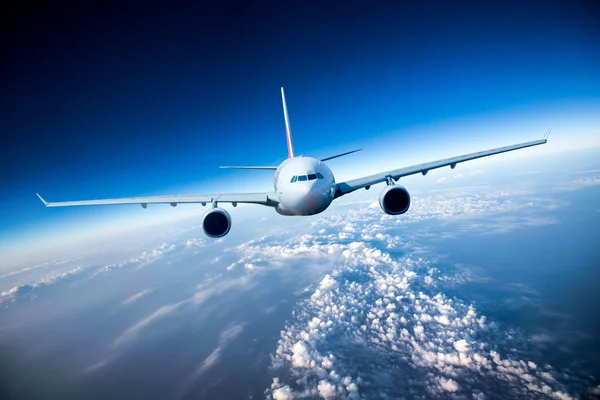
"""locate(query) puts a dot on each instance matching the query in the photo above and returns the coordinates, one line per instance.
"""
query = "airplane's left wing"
(265, 199)
(355, 184)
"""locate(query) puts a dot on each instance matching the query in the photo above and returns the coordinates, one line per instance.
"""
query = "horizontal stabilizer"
(248, 167)
(339, 155)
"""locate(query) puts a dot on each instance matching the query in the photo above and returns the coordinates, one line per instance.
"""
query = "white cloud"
(132, 332)
(205, 291)
(250, 266)
(379, 319)
(137, 296)
(376, 319)
(448, 385)
(99, 365)
(208, 362)
(212, 359)
(279, 392)
(87, 268)
(326, 389)
(581, 183)
(461, 346)
(83, 272)
(282, 393)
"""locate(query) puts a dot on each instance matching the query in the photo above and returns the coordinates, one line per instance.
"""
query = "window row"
(309, 177)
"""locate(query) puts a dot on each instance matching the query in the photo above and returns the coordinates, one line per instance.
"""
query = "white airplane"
(303, 186)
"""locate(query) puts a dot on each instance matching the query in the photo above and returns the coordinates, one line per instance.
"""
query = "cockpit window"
(304, 178)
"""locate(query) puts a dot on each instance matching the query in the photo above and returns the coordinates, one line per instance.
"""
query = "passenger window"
(302, 178)
(293, 179)
(312, 177)
(319, 175)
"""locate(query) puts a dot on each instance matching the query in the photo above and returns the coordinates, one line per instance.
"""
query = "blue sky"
(108, 102)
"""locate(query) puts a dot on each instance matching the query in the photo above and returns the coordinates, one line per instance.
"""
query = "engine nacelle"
(394, 200)
(216, 223)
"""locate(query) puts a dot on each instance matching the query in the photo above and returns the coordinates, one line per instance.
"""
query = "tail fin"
(288, 131)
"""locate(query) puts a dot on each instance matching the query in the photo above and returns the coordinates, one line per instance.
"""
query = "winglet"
(547, 133)
(42, 199)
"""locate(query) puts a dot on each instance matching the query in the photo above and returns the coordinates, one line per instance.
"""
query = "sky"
(116, 101)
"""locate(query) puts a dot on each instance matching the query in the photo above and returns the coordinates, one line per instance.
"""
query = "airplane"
(303, 186)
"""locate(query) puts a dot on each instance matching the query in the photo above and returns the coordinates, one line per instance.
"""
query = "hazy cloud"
(378, 325)
(212, 359)
(137, 296)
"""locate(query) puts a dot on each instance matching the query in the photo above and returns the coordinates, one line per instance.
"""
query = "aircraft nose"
(311, 198)
(309, 201)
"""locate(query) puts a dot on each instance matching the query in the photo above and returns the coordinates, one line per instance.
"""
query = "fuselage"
(304, 185)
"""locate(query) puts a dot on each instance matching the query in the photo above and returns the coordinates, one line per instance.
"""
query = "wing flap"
(355, 184)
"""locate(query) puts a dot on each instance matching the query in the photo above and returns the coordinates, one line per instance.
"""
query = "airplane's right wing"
(355, 184)
(266, 199)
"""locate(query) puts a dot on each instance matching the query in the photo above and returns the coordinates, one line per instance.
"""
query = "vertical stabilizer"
(288, 131)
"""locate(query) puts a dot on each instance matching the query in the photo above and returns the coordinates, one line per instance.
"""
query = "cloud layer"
(386, 322)
(381, 327)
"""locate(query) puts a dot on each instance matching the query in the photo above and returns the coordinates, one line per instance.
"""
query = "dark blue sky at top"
(106, 100)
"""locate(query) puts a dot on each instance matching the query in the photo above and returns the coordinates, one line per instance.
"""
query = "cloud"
(279, 392)
(208, 362)
(28, 291)
(83, 272)
(460, 175)
(204, 293)
(250, 267)
(195, 242)
(448, 385)
(137, 296)
(282, 393)
(133, 331)
(581, 183)
(381, 324)
(341, 227)
(101, 364)
(45, 265)
(326, 389)
(227, 336)
(461, 346)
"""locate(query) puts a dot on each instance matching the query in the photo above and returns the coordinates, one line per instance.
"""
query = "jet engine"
(216, 223)
(394, 200)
